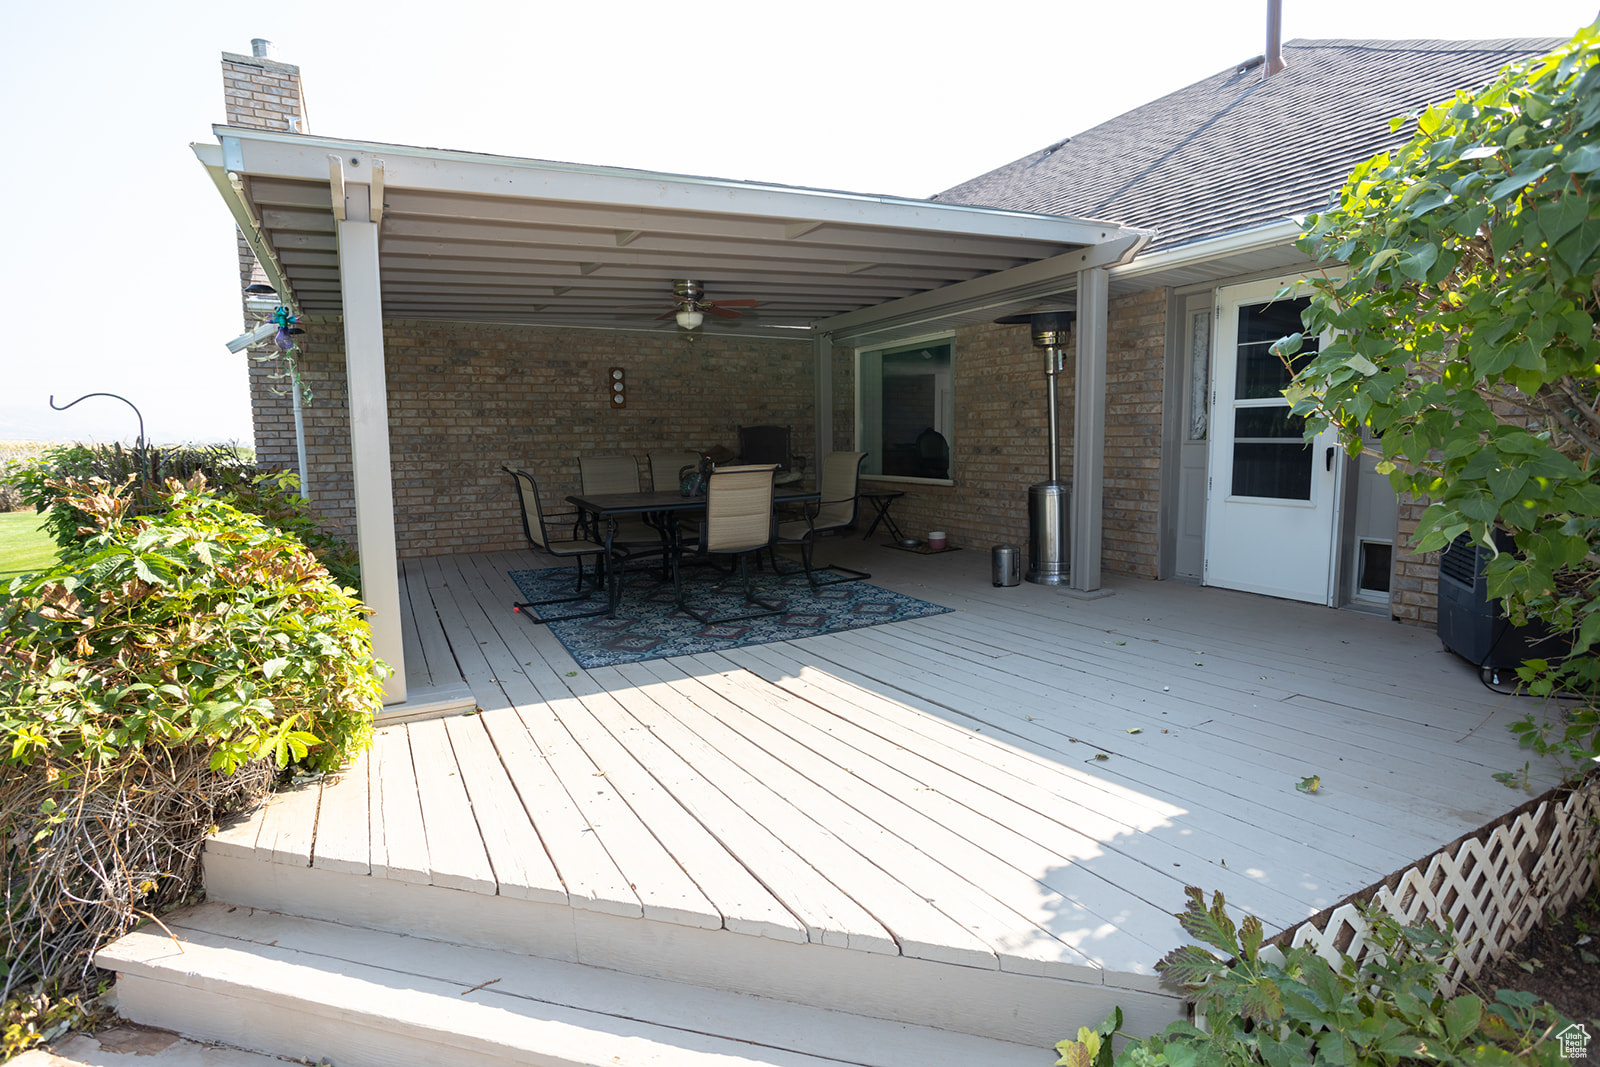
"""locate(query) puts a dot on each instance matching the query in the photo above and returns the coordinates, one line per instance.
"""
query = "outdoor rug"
(648, 627)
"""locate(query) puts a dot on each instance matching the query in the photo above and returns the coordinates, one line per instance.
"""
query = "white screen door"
(1272, 500)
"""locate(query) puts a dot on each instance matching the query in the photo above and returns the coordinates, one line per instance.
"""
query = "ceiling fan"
(689, 305)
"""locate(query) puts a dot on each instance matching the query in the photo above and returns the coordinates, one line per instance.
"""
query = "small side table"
(880, 503)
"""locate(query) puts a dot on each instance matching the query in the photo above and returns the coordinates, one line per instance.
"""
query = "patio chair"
(738, 523)
(535, 526)
(839, 496)
(933, 454)
(771, 444)
(666, 468)
(601, 475)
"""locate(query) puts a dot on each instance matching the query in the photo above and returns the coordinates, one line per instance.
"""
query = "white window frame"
(944, 403)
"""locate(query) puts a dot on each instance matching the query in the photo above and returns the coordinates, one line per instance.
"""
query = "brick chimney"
(262, 93)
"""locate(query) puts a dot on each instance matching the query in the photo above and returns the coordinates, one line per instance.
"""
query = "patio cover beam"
(980, 299)
(369, 433)
(268, 154)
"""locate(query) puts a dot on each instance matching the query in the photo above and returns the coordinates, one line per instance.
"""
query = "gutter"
(1254, 239)
(231, 187)
(304, 157)
(983, 298)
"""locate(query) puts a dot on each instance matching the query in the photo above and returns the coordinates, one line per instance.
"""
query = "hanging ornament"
(284, 338)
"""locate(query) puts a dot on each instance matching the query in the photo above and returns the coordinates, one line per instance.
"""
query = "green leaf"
(1262, 1001)
(1211, 926)
(1585, 160)
(1190, 966)
(1294, 1050)
(1506, 483)
(1577, 248)
(272, 667)
(1180, 1054)
(1519, 180)
(1251, 935)
(1080, 1053)
(1416, 264)
(1462, 1015)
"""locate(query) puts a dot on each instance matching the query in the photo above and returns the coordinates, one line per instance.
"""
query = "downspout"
(263, 251)
(300, 433)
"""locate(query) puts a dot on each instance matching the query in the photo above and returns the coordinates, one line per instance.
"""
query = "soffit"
(487, 238)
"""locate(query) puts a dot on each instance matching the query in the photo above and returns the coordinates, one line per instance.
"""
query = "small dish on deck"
(910, 542)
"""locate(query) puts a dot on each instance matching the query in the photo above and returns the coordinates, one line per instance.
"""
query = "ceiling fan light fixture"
(689, 318)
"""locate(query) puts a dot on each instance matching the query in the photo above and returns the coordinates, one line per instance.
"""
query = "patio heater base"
(1048, 506)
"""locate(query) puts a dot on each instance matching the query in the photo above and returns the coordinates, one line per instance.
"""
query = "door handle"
(1328, 459)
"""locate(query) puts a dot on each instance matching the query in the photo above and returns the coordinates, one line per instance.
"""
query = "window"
(1271, 457)
(905, 404)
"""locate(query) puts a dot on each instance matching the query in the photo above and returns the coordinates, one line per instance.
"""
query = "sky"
(118, 256)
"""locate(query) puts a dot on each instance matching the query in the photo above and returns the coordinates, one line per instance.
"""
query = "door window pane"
(1199, 374)
(1282, 470)
(1274, 421)
(1261, 373)
(1270, 456)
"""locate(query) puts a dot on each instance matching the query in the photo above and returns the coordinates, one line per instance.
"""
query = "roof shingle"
(1236, 150)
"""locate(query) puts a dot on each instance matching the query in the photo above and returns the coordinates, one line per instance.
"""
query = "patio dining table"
(661, 509)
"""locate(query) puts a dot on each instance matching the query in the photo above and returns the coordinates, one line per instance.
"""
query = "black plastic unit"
(1472, 625)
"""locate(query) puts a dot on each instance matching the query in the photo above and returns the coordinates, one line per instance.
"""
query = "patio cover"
(371, 231)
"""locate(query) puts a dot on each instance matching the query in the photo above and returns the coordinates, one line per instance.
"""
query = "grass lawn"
(24, 547)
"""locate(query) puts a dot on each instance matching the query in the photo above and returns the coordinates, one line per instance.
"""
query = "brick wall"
(1000, 445)
(465, 399)
(1136, 345)
(1414, 585)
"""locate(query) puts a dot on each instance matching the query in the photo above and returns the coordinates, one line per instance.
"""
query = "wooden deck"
(1021, 787)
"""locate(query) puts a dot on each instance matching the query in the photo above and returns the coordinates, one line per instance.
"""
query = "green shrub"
(198, 625)
(1262, 1006)
(274, 496)
(1463, 346)
(153, 681)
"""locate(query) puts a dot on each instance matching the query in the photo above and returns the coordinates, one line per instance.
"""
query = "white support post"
(369, 433)
(822, 398)
(1089, 431)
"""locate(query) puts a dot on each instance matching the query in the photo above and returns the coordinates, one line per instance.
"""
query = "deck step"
(315, 989)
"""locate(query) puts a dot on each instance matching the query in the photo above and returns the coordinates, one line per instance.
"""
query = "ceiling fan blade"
(665, 315)
(721, 313)
(657, 304)
(740, 303)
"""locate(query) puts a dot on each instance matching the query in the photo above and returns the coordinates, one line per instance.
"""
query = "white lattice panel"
(1492, 889)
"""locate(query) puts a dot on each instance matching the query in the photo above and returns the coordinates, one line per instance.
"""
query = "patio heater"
(1049, 501)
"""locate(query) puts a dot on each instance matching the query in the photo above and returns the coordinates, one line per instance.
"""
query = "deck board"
(928, 788)
(343, 843)
(522, 868)
(457, 855)
(681, 761)
(1374, 764)
(919, 929)
(1022, 707)
(965, 843)
(402, 852)
(1055, 831)
(289, 824)
(664, 889)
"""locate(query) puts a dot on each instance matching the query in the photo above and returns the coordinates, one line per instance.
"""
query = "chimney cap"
(261, 48)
